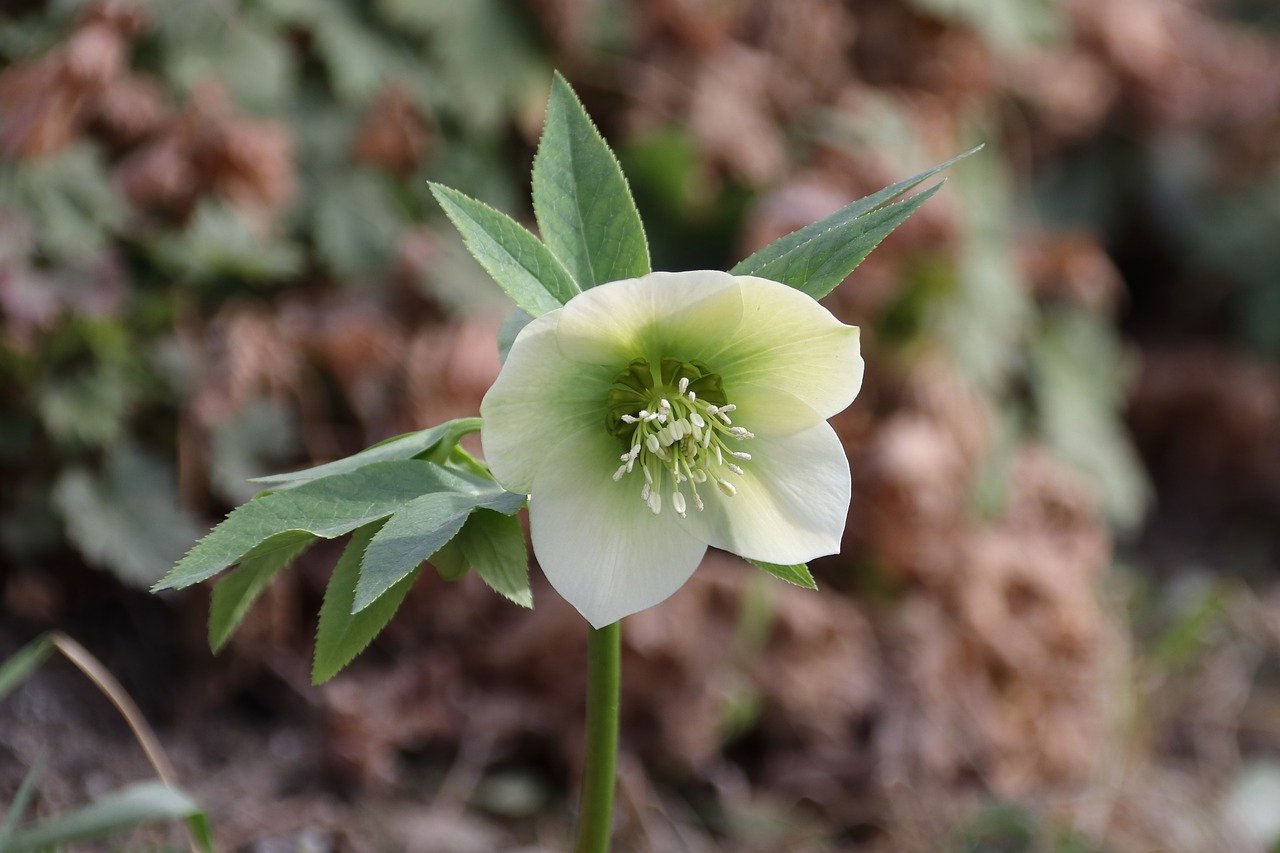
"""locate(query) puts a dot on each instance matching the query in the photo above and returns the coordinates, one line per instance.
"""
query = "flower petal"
(660, 315)
(539, 398)
(787, 348)
(791, 502)
(597, 542)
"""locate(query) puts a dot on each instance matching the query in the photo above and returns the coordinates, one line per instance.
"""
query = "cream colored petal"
(788, 348)
(597, 542)
(661, 315)
(791, 502)
(539, 398)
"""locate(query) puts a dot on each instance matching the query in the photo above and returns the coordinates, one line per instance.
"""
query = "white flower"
(652, 417)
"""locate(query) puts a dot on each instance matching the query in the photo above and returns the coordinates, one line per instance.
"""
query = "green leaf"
(235, 594)
(340, 634)
(407, 446)
(449, 561)
(418, 530)
(797, 574)
(327, 508)
(584, 208)
(22, 799)
(493, 545)
(534, 279)
(24, 662)
(818, 257)
(356, 222)
(127, 518)
(511, 327)
(137, 805)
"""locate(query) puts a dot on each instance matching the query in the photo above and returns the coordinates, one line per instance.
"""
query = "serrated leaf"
(418, 530)
(818, 257)
(137, 805)
(340, 634)
(521, 265)
(235, 594)
(407, 446)
(328, 508)
(493, 545)
(511, 327)
(581, 199)
(797, 574)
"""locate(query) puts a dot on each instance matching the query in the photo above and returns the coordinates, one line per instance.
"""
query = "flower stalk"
(599, 771)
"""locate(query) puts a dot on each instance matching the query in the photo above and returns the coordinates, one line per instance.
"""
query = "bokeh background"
(1055, 623)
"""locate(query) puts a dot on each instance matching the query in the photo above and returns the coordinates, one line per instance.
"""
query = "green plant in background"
(283, 97)
(421, 497)
(150, 803)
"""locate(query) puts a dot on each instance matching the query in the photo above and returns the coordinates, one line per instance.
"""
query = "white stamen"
(628, 419)
(643, 413)
(617, 475)
(655, 502)
(697, 500)
(727, 487)
(696, 420)
(684, 384)
(693, 398)
(724, 417)
(719, 456)
(734, 468)
(677, 501)
(739, 432)
(645, 491)
(706, 437)
(665, 405)
(652, 443)
(729, 408)
(738, 454)
(664, 436)
(711, 410)
(699, 476)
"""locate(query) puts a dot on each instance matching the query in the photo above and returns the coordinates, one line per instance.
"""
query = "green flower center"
(676, 427)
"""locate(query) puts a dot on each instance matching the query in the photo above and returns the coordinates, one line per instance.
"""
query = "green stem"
(599, 777)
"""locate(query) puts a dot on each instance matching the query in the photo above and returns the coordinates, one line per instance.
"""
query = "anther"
(655, 502)
(739, 432)
(684, 384)
(628, 419)
(652, 443)
(617, 475)
(696, 420)
(727, 487)
(677, 501)
(734, 468)
(738, 454)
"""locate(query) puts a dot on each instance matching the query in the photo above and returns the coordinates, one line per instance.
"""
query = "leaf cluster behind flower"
(420, 497)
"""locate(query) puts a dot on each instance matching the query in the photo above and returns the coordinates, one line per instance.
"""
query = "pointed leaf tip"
(581, 199)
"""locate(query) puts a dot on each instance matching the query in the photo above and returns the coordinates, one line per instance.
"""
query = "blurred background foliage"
(219, 258)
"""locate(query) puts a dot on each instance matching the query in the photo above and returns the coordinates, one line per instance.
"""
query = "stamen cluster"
(678, 438)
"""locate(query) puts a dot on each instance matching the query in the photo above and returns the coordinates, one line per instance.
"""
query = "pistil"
(676, 438)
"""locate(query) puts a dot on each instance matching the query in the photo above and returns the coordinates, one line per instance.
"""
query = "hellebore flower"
(651, 417)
